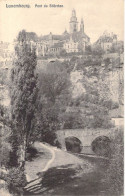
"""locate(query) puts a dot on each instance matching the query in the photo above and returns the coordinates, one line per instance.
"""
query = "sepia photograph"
(61, 97)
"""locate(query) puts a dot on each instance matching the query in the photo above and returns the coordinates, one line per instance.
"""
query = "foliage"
(3, 77)
(68, 115)
(97, 50)
(5, 150)
(109, 104)
(115, 172)
(5, 130)
(26, 36)
(13, 154)
(53, 85)
(54, 96)
(63, 53)
(73, 120)
(88, 50)
(23, 92)
(91, 61)
(89, 110)
(49, 137)
(16, 180)
(94, 110)
(68, 66)
(31, 153)
(107, 61)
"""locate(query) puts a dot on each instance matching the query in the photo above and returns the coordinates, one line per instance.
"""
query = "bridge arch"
(73, 144)
(101, 145)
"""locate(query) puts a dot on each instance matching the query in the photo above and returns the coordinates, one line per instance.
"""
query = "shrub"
(16, 180)
(114, 174)
(49, 137)
(110, 104)
(31, 153)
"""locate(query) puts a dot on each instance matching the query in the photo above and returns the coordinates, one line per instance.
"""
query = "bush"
(110, 104)
(49, 137)
(16, 180)
(31, 153)
(115, 172)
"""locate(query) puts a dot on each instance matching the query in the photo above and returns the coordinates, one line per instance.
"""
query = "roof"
(106, 38)
(77, 36)
(57, 45)
(62, 37)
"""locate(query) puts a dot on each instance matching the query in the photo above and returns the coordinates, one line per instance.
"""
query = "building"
(106, 41)
(71, 46)
(72, 42)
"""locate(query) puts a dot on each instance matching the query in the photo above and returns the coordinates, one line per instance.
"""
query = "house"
(106, 41)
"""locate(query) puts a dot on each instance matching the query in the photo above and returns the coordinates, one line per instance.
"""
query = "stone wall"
(86, 136)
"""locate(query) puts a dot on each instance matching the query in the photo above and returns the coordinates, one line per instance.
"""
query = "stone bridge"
(85, 136)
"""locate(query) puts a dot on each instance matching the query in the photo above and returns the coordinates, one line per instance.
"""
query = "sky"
(98, 16)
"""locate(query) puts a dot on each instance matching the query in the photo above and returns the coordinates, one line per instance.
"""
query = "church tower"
(82, 26)
(73, 22)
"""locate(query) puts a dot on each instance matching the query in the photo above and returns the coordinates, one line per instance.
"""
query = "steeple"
(73, 22)
(73, 13)
(82, 26)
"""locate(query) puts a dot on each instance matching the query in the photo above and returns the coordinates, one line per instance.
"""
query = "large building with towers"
(71, 42)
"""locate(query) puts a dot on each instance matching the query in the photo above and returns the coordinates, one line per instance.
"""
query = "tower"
(82, 26)
(50, 39)
(73, 22)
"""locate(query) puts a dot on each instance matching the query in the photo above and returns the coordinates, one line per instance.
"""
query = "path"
(57, 157)
(41, 163)
(52, 158)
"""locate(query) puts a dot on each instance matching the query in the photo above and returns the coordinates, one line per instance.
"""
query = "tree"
(26, 36)
(16, 181)
(23, 93)
(63, 53)
(5, 131)
(55, 96)
(97, 50)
